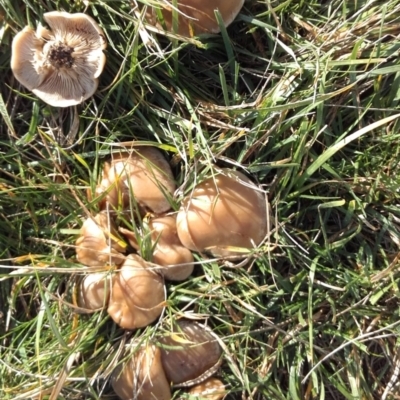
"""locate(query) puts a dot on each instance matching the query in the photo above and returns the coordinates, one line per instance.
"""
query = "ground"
(302, 97)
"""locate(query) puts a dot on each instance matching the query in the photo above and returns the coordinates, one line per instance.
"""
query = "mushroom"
(210, 389)
(195, 16)
(145, 173)
(137, 294)
(225, 215)
(99, 244)
(190, 354)
(168, 250)
(62, 65)
(142, 377)
(93, 291)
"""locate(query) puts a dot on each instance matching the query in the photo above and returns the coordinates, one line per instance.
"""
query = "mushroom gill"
(61, 65)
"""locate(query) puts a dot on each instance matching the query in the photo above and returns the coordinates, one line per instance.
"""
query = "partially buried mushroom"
(142, 173)
(137, 294)
(194, 16)
(142, 376)
(168, 252)
(61, 65)
(225, 215)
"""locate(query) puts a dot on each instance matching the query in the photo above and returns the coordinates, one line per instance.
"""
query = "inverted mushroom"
(168, 250)
(137, 294)
(142, 377)
(224, 215)
(195, 16)
(61, 65)
(143, 173)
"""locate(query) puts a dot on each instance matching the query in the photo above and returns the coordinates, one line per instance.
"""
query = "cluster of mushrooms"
(224, 215)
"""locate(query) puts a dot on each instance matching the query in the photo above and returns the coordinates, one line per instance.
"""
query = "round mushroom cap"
(94, 291)
(93, 245)
(175, 260)
(142, 377)
(61, 65)
(190, 354)
(210, 389)
(145, 174)
(223, 215)
(196, 16)
(137, 294)
(169, 251)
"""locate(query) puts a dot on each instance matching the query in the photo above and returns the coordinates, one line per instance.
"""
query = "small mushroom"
(190, 354)
(168, 250)
(137, 294)
(144, 173)
(210, 389)
(142, 377)
(93, 246)
(225, 215)
(195, 16)
(93, 291)
(62, 65)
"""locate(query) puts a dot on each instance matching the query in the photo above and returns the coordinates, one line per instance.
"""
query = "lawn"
(300, 96)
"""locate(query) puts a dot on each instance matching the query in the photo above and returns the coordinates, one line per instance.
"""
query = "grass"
(303, 97)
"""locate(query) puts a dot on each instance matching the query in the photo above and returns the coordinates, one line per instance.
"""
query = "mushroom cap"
(190, 355)
(94, 291)
(168, 250)
(73, 37)
(210, 389)
(223, 213)
(142, 377)
(137, 294)
(93, 246)
(145, 173)
(197, 16)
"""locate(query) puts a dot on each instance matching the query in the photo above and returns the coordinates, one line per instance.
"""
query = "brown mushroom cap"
(145, 173)
(142, 377)
(137, 294)
(168, 250)
(62, 65)
(196, 16)
(94, 291)
(190, 354)
(223, 213)
(210, 389)
(93, 246)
